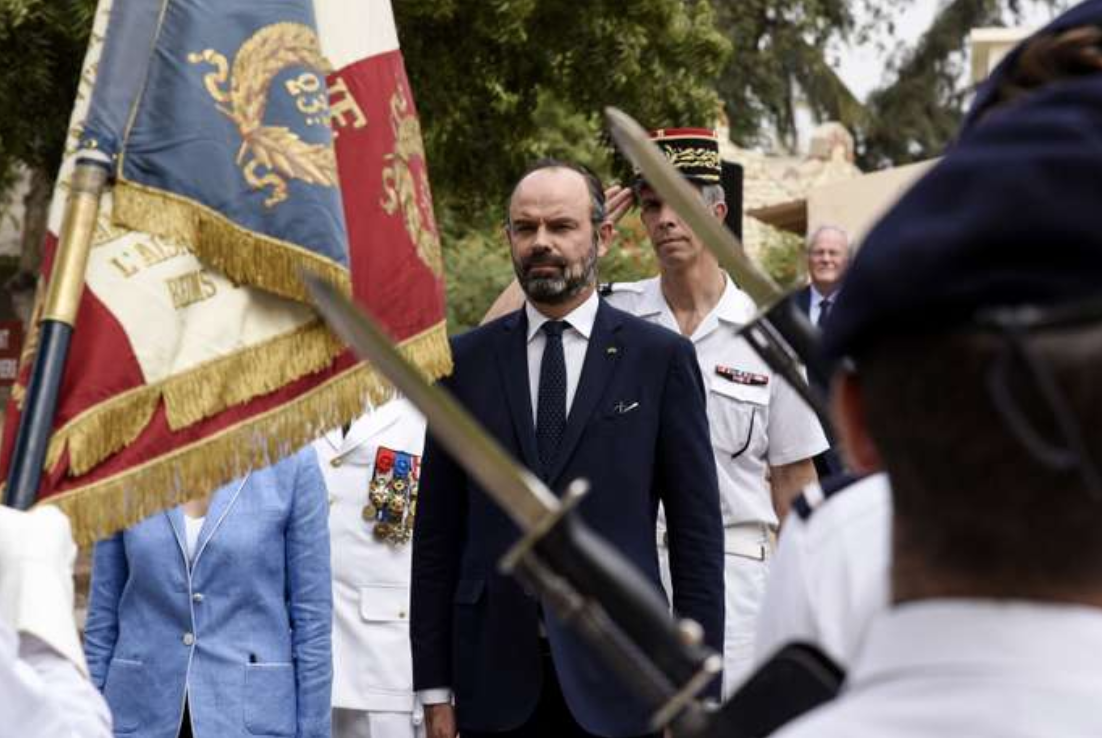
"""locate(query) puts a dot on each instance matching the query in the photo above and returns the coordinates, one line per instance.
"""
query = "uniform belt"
(752, 540)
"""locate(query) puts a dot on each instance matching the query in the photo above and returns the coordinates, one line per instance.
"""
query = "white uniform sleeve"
(43, 679)
(794, 431)
(45, 694)
(786, 613)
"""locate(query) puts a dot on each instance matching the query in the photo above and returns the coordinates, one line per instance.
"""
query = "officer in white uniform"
(372, 473)
(763, 435)
(972, 319)
(830, 575)
(44, 687)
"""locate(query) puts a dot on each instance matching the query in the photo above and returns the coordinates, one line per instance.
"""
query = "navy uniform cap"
(1087, 13)
(1011, 216)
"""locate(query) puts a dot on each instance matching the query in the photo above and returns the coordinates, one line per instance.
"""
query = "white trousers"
(744, 578)
(364, 724)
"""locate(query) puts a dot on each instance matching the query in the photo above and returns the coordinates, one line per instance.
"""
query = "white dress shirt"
(575, 340)
(976, 668)
(830, 575)
(192, 528)
(816, 306)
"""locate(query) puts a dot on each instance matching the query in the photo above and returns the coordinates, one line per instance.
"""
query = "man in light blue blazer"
(234, 623)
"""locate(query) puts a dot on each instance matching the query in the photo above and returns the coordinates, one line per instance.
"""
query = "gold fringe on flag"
(103, 429)
(193, 395)
(244, 256)
(104, 507)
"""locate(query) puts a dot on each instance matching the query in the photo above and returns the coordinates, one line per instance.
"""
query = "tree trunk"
(35, 215)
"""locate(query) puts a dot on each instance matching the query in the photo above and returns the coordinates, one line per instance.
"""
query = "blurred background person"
(44, 682)
(372, 471)
(828, 257)
(213, 619)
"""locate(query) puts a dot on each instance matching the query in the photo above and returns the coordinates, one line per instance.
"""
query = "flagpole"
(55, 331)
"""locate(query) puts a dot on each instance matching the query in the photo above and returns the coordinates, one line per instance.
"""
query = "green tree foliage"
(777, 46)
(480, 71)
(783, 48)
(42, 45)
(914, 116)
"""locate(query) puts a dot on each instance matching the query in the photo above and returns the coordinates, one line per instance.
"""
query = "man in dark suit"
(573, 388)
(828, 255)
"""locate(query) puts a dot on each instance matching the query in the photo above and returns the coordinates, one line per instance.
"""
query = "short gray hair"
(713, 194)
(824, 229)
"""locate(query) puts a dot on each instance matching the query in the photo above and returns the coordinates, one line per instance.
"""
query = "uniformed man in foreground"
(973, 320)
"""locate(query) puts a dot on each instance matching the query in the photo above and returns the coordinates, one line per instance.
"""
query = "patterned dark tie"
(824, 311)
(551, 405)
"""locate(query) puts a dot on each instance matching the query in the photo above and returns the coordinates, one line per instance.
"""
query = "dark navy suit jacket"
(828, 463)
(476, 631)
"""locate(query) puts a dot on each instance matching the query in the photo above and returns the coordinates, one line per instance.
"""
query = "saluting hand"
(618, 200)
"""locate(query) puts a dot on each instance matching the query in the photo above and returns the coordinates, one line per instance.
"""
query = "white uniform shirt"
(372, 667)
(982, 669)
(830, 575)
(575, 341)
(45, 695)
(757, 420)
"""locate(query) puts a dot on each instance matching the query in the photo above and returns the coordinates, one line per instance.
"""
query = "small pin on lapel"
(612, 350)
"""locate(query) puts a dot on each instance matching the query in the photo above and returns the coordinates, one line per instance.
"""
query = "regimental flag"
(249, 140)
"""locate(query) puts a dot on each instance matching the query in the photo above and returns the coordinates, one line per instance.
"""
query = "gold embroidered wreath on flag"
(268, 157)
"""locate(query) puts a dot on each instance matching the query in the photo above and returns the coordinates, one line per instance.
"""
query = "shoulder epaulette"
(812, 498)
(608, 288)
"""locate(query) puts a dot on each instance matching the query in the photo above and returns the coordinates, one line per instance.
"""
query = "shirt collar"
(580, 318)
(817, 297)
(652, 301)
(942, 635)
(735, 306)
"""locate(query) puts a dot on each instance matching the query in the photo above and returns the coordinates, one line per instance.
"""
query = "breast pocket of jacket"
(124, 689)
(384, 610)
(737, 414)
(270, 700)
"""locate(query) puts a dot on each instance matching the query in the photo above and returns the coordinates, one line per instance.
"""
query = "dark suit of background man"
(613, 399)
(828, 255)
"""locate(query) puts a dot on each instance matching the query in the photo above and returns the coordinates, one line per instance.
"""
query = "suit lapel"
(176, 522)
(512, 360)
(804, 296)
(601, 357)
(220, 507)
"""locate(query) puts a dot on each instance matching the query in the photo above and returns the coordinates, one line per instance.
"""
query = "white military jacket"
(372, 669)
(757, 420)
(975, 668)
(830, 575)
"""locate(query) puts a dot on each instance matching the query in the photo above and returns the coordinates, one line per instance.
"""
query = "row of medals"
(392, 504)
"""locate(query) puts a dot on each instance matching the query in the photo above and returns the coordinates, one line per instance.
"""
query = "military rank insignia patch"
(740, 377)
(392, 495)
